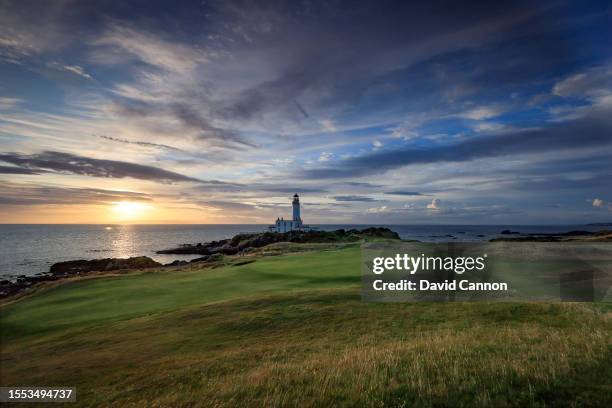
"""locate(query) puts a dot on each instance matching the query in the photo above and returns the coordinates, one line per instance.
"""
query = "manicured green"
(89, 303)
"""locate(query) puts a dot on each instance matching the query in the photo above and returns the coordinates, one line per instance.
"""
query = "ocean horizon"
(29, 249)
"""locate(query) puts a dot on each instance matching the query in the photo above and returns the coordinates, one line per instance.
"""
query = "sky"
(438, 112)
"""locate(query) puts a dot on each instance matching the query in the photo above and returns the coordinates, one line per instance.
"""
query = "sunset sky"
(431, 112)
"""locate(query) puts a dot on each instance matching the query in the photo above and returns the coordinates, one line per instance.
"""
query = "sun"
(130, 209)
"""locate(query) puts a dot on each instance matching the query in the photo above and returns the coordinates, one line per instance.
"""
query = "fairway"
(291, 330)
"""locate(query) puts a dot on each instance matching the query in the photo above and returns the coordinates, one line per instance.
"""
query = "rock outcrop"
(243, 242)
(80, 266)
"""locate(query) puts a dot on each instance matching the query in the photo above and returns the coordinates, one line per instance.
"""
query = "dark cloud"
(140, 143)
(588, 132)
(18, 170)
(360, 184)
(306, 47)
(86, 166)
(260, 188)
(189, 114)
(284, 189)
(558, 183)
(302, 110)
(404, 193)
(226, 205)
(191, 117)
(19, 194)
(354, 198)
(238, 206)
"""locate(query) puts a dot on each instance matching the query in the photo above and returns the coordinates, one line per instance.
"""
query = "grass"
(291, 330)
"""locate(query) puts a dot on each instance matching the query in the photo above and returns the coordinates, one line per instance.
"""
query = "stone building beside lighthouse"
(282, 225)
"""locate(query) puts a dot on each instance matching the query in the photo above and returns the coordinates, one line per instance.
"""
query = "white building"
(295, 224)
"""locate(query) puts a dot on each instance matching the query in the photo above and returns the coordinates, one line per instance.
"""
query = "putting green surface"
(89, 303)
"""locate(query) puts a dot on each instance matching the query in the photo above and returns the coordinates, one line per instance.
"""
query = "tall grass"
(326, 347)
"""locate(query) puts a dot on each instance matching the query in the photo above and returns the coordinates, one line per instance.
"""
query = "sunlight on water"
(123, 242)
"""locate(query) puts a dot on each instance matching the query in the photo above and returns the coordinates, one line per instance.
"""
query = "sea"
(31, 249)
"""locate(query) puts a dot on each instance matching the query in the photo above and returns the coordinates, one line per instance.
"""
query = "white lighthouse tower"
(282, 225)
(296, 209)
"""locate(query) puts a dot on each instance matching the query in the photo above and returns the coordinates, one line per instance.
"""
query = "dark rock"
(508, 232)
(8, 288)
(108, 264)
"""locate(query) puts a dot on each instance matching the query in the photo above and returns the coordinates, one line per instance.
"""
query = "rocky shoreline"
(210, 251)
(573, 236)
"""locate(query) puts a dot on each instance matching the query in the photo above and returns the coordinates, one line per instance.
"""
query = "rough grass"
(292, 331)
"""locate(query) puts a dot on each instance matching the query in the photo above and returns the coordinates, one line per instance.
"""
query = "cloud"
(75, 69)
(328, 125)
(226, 205)
(149, 48)
(289, 189)
(190, 120)
(23, 194)
(379, 210)
(18, 170)
(26, 31)
(257, 188)
(86, 166)
(487, 127)
(599, 203)
(141, 143)
(354, 198)
(8, 103)
(434, 205)
(360, 184)
(376, 145)
(72, 69)
(587, 132)
(480, 113)
(404, 193)
(324, 157)
(302, 110)
(590, 83)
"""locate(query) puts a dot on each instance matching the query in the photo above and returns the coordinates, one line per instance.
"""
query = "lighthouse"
(281, 225)
(296, 209)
